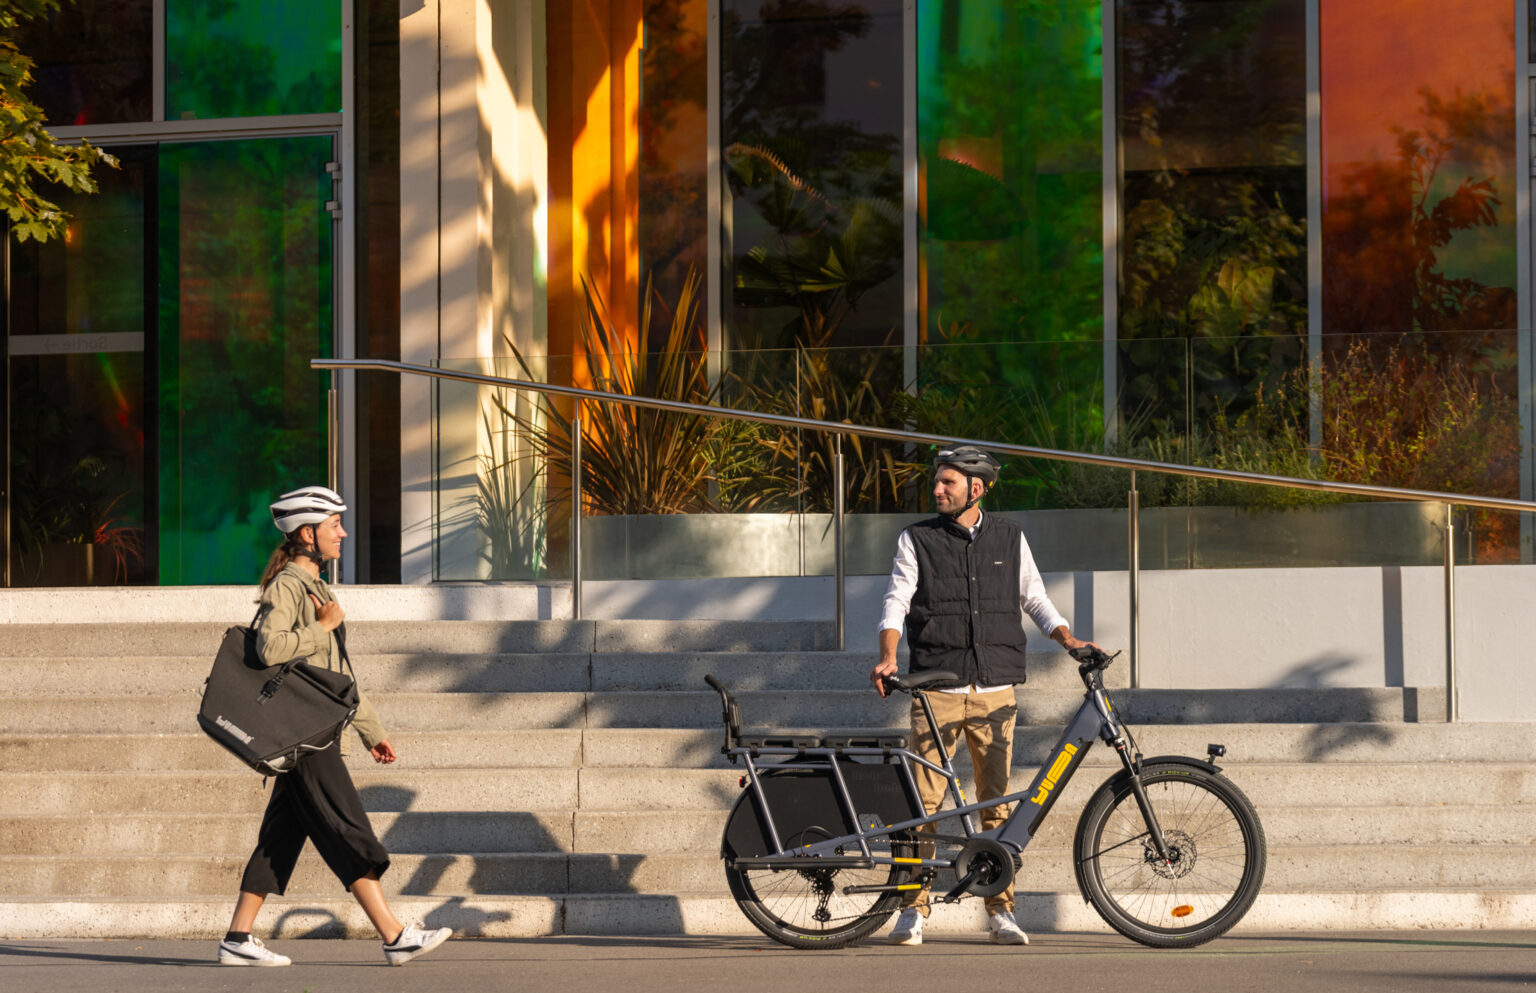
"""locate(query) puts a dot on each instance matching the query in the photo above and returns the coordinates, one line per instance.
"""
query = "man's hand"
(1063, 637)
(886, 667)
(330, 615)
(383, 752)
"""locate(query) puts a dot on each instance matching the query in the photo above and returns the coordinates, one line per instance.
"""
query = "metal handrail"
(838, 428)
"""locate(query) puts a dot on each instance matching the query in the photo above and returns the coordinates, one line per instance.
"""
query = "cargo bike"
(823, 840)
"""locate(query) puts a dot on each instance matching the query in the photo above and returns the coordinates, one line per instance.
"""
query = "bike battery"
(804, 801)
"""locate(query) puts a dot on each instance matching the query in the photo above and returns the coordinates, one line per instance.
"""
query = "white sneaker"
(414, 941)
(909, 928)
(1005, 930)
(249, 952)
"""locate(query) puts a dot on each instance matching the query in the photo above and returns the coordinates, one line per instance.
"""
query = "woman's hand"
(330, 615)
(383, 752)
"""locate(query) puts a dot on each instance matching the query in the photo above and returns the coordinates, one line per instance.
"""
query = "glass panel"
(251, 58)
(78, 470)
(1419, 175)
(1009, 110)
(245, 303)
(673, 156)
(93, 62)
(77, 419)
(377, 547)
(1212, 124)
(811, 123)
(91, 281)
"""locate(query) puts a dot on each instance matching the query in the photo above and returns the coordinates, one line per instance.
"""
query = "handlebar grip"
(714, 683)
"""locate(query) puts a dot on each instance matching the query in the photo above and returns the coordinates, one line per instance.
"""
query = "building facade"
(1191, 230)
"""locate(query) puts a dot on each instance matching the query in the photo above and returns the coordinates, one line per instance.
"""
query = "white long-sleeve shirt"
(1033, 600)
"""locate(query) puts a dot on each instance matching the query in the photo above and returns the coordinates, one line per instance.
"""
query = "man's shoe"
(249, 952)
(1005, 930)
(414, 941)
(909, 928)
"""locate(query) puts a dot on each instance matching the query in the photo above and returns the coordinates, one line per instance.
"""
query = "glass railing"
(687, 496)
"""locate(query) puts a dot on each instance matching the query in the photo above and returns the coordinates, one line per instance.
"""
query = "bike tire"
(1201, 894)
(788, 904)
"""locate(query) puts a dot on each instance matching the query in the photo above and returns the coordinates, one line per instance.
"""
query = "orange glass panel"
(1418, 165)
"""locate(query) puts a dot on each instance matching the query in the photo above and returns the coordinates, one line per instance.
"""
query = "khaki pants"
(986, 720)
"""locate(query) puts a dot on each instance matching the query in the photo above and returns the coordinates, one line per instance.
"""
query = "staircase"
(565, 777)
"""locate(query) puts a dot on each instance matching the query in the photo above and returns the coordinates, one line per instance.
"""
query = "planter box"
(705, 545)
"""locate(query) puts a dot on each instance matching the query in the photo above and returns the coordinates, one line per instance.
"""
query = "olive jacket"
(287, 629)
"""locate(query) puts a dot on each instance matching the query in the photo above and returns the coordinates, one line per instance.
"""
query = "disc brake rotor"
(1182, 855)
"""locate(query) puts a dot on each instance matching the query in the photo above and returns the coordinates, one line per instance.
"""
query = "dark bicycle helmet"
(970, 460)
(974, 464)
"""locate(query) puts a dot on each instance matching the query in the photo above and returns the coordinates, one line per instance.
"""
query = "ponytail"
(281, 556)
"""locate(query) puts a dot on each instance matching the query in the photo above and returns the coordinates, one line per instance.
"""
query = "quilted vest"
(965, 615)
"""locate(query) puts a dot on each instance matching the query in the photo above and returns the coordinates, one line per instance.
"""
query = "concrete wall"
(1237, 628)
(473, 236)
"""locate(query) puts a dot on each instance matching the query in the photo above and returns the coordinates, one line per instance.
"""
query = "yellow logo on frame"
(1057, 768)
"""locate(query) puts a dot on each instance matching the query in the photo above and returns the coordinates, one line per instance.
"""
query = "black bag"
(269, 717)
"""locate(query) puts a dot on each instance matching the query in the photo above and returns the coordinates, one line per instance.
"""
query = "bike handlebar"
(1091, 659)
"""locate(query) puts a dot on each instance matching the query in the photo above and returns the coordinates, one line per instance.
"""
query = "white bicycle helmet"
(308, 505)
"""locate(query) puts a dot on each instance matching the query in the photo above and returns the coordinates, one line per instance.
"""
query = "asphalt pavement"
(1294, 962)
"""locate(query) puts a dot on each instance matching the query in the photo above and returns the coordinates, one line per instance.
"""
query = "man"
(958, 584)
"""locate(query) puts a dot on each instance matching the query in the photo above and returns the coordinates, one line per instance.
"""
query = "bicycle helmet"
(308, 505)
(971, 462)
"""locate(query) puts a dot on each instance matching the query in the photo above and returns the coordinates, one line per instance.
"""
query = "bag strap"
(341, 640)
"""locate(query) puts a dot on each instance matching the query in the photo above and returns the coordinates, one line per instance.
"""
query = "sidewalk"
(1294, 962)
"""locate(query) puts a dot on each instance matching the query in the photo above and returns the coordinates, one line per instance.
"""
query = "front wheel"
(1215, 862)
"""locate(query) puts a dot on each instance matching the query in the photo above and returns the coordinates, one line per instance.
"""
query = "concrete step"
(441, 672)
(83, 793)
(147, 834)
(773, 709)
(605, 831)
(1266, 784)
(638, 789)
(201, 638)
(629, 914)
(1294, 870)
(700, 748)
(549, 748)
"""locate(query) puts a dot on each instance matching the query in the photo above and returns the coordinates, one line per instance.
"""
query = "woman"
(315, 800)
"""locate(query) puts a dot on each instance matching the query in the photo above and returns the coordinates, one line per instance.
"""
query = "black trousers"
(315, 801)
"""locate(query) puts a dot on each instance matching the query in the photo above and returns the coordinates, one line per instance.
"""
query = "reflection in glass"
(77, 465)
(91, 281)
(1419, 188)
(1418, 166)
(92, 62)
(811, 139)
(251, 58)
(1009, 99)
(1212, 124)
(245, 303)
(672, 207)
(77, 418)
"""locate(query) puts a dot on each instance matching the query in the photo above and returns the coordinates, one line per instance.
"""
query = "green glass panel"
(245, 303)
(1009, 96)
(251, 58)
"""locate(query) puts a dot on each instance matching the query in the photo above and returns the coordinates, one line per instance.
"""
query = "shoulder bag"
(270, 717)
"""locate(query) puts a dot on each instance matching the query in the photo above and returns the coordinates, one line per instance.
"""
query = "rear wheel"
(807, 908)
(1215, 863)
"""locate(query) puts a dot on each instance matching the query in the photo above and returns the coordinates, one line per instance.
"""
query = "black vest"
(965, 614)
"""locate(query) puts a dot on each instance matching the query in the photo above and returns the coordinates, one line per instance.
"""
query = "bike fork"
(1153, 827)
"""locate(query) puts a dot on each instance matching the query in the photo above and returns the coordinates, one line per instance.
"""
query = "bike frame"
(1095, 719)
